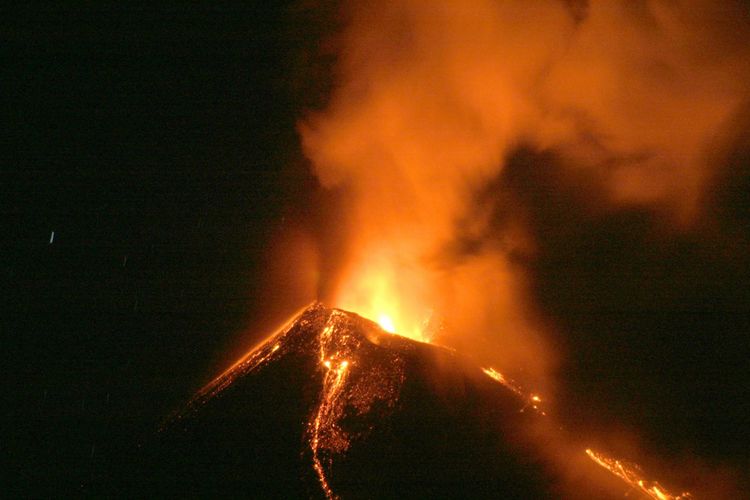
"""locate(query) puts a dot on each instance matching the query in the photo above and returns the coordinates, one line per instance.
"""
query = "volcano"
(334, 406)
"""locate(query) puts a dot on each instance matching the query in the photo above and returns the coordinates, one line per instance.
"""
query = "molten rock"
(332, 405)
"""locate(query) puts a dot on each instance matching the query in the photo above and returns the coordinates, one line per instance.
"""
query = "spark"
(51, 237)
(633, 476)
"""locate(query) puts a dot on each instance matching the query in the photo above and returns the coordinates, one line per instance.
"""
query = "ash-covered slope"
(334, 406)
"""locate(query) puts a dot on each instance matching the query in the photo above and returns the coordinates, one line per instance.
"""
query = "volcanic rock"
(334, 406)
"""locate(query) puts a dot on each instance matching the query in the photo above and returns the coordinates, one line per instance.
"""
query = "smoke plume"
(431, 98)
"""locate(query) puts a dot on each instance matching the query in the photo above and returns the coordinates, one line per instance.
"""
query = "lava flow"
(633, 477)
(378, 411)
(533, 400)
(325, 420)
(325, 434)
(376, 414)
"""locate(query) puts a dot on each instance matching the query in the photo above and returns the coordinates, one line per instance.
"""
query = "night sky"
(149, 161)
(158, 144)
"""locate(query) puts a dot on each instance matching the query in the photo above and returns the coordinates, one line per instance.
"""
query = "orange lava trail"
(323, 430)
(334, 381)
(499, 377)
(532, 400)
(631, 475)
(253, 357)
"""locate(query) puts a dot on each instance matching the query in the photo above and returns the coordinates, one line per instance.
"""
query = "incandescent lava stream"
(333, 406)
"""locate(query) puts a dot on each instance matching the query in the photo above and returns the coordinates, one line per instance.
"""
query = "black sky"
(652, 319)
(159, 144)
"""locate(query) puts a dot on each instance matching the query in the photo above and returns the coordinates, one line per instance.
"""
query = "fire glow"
(351, 387)
(633, 477)
(532, 400)
(325, 418)
(431, 101)
(376, 291)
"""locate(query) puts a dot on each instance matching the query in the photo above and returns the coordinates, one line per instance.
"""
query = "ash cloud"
(541, 173)
(431, 98)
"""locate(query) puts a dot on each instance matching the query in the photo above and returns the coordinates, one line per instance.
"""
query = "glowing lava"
(386, 323)
(532, 400)
(346, 392)
(392, 294)
(633, 476)
(358, 373)
(325, 419)
(499, 377)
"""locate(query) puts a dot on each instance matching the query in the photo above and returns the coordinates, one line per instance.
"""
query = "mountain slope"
(331, 406)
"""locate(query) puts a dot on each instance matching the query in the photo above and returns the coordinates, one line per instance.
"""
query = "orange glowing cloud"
(430, 99)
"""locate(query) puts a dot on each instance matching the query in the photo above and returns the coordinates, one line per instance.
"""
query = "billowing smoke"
(478, 145)
(431, 98)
